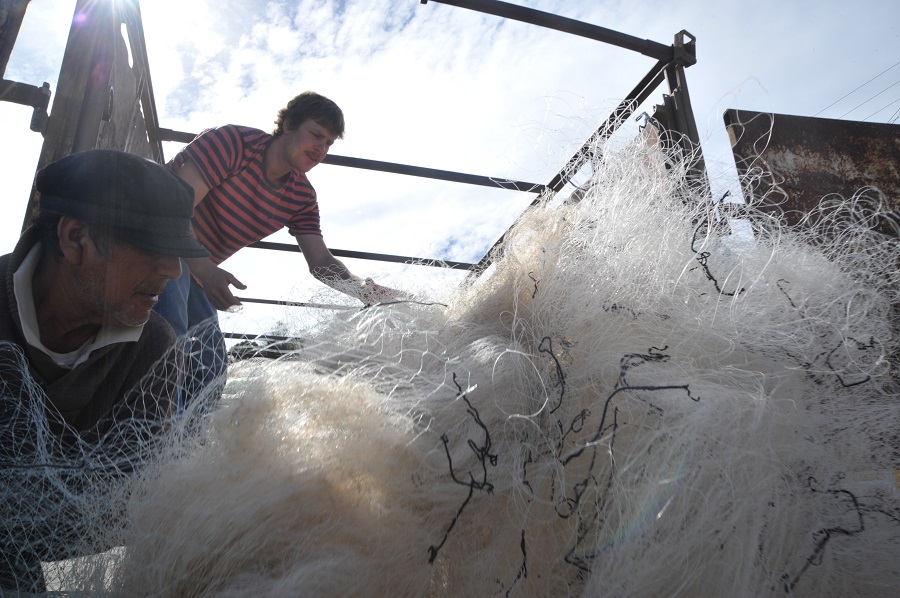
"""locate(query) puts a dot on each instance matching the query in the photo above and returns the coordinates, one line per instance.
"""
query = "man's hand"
(373, 293)
(215, 282)
(332, 271)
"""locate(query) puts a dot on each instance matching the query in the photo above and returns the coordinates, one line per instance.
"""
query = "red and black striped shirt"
(242, 207)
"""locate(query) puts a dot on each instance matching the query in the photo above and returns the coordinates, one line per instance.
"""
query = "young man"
(77, 341)
(248, 184)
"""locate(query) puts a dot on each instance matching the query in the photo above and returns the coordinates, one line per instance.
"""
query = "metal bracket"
(685, 54)
(28, 95)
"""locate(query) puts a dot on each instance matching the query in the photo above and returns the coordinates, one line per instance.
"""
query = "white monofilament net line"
(629, 402)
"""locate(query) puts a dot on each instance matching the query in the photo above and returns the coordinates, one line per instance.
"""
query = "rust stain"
(810, 158)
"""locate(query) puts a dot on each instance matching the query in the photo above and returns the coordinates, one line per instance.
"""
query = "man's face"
(307, 145)
(122, 287)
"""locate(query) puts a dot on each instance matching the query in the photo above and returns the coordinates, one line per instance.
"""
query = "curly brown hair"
(310, 104)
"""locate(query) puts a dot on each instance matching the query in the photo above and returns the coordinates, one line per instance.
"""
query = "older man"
(76, 322)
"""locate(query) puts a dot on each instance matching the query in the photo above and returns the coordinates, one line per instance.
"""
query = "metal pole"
(131, 16)
(12, 12)
(687, 125)
(545, 19)
(361, 255)
(433, 173)
(624, 110)
(395, 168)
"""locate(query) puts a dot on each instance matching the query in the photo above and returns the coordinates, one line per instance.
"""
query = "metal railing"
(84, 104)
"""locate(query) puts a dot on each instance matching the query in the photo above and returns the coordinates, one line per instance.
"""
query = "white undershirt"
(107, 335)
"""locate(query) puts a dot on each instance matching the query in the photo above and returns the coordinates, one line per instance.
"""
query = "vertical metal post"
(82, 88)
(12, 12)
(134, 25)
(678, 105)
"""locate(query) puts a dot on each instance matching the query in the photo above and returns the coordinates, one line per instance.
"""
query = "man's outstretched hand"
(373, 293)
(216, 282)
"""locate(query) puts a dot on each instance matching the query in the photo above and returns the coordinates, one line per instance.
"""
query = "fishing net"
(630, 401)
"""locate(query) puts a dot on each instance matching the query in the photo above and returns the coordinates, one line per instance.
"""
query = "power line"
(857, 89)
(882, 108)
(870, 99)
(894, 117)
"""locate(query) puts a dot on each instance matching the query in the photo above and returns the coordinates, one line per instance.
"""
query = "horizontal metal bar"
(393, 167)
(253, 337)
(433, 173)
(25, 94)
(28, 95)
(566, 25)
(171, 135)
(297, 303)
(381, 257)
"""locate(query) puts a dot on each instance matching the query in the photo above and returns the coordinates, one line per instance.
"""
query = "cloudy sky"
(443, 87)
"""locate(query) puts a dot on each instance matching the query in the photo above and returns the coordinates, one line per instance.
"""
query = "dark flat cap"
(136, 199)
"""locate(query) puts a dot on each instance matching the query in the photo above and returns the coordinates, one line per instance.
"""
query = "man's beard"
(92, 288)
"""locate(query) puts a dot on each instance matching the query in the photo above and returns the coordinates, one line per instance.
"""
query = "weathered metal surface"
(12, 12)
(808, 158)
(797, 160)
(122, 124)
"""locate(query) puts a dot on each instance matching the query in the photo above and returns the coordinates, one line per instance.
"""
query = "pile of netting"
(629, 402)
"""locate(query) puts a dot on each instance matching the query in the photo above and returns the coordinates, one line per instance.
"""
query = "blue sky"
(443, 87)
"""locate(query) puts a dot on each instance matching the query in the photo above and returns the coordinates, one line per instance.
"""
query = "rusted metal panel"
(807, 158)
(795, 161)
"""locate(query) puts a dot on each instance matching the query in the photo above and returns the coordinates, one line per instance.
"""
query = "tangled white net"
(628, 403)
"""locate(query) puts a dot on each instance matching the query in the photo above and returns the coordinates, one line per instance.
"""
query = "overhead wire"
(883, 107)
(857, 89)
(894, 117)
(870, 99)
